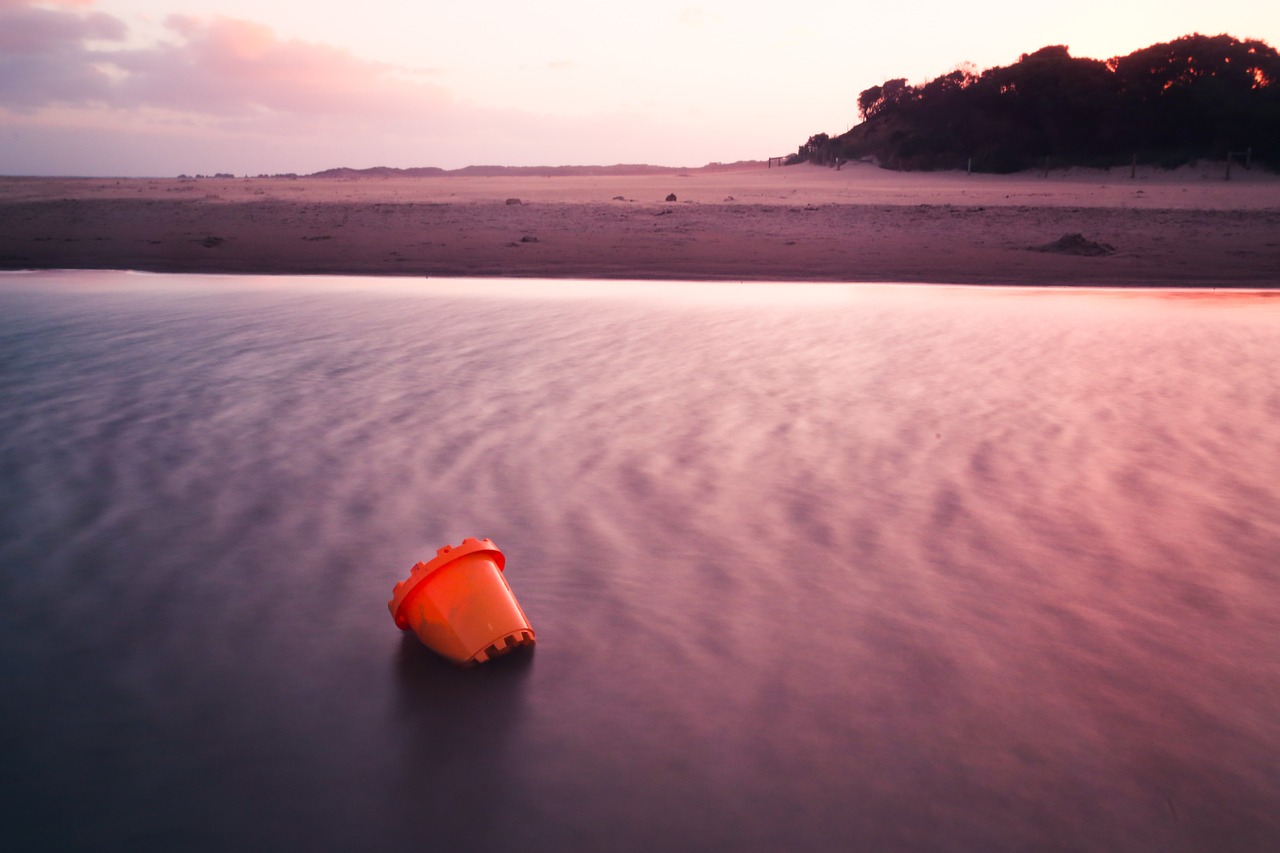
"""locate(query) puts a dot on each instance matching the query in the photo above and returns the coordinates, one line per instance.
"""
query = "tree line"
(1197, 97)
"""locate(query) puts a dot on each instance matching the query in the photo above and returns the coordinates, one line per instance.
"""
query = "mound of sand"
(1076, 244)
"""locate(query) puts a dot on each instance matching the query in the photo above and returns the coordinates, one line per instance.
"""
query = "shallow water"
(811, 567)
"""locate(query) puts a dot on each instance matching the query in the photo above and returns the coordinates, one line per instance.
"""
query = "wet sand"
(802, 223)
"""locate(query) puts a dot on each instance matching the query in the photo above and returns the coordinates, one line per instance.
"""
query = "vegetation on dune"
(1197, 97)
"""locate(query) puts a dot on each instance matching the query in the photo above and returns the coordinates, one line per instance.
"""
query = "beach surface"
(801, 223)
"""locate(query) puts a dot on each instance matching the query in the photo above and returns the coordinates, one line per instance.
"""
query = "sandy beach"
(803, 223)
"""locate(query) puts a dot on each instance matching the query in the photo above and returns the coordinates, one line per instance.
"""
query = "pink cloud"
(231, 67)
(231, 89)
(221, 67)
(230, 95)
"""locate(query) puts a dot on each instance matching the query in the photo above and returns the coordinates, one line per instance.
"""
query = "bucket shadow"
(428, 679)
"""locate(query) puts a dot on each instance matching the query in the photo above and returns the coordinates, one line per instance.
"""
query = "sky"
(158, 87)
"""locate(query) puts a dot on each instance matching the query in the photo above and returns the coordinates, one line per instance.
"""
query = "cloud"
(26, 29)
(221, 67)
(44, 56)
(235, 68)
(13, 4)
(221, 94)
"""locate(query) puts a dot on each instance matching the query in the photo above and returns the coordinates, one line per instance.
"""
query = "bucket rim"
(444, 556)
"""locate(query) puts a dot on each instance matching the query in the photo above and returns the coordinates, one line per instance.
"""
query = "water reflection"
(445, 705)
(455, 734)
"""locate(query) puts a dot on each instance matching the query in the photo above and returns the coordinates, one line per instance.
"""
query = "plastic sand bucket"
(459, 604)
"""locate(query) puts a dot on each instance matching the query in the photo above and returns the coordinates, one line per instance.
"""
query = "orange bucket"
(459, 604)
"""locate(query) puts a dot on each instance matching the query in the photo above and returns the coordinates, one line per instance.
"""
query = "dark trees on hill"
(1195, 97)
(1203, 95)
(877, 99)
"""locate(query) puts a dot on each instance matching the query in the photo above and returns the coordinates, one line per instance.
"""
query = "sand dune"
(1188, 227)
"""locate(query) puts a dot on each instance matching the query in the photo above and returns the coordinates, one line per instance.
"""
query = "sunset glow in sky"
(159, 87)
